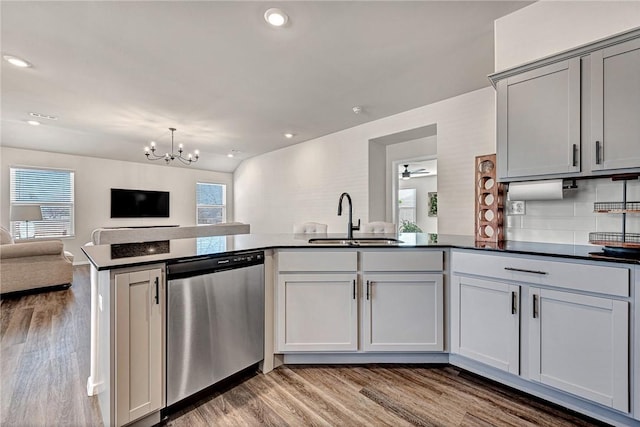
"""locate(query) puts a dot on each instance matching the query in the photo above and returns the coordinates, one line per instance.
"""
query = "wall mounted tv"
(139, 203)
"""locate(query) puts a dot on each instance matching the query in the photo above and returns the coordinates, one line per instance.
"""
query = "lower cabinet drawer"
(542, 271)
(402, 260)
(318, 260)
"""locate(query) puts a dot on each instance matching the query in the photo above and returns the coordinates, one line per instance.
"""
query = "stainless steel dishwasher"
(215, 320)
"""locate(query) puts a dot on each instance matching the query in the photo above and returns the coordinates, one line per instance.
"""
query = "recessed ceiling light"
(18, 62)
(230, 155)
(276, 17)
(289, 135)
(33, 122)
(233, 153)
(43, 116)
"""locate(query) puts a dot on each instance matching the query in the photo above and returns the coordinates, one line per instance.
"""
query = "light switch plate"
(516, 207)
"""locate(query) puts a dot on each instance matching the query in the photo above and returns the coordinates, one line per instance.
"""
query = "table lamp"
(26, 213)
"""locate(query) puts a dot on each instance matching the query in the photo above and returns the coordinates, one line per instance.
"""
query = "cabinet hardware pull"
(354, 288)
(514, 302)
(535, 306)
(574, 153)
(597, 152)
(157, 297)
(368, 284)
(522, 270)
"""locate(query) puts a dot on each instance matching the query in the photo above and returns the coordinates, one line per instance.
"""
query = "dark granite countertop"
(105, 257)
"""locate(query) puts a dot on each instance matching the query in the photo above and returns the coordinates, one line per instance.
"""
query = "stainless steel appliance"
(215, 320)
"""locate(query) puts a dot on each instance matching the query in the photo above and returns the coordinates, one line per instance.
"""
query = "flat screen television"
(139, 203)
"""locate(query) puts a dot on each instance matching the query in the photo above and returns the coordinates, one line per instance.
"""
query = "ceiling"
(119, 74)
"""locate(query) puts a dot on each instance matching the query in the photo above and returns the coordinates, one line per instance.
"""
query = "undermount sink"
(362, 241)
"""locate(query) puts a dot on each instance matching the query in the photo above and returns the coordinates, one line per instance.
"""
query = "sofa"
(34, 264)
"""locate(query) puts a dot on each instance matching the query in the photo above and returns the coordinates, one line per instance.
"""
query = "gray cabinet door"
(615, 107)
(539, 121)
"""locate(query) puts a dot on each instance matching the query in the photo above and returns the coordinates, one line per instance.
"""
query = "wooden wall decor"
(489, 201)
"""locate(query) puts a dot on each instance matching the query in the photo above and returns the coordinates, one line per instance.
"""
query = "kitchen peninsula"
(428, 299)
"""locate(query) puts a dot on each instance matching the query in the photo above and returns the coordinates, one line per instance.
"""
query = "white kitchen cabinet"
(580, 344)
(574, 114)
(317, 301)
(402, 300)
(403, 312)
(139, 344)
(615, 107)
(538, 121)
(324, 303)
(574, 319)
(485, 322)
(317, 312)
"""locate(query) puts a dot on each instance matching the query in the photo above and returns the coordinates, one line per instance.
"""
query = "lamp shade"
(26, 213)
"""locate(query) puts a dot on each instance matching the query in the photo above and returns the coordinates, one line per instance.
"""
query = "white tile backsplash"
(559, 223)
(514, 221)
(609, 191)
(534, 235)
(571, 219)
(550, 208)
(583, 209)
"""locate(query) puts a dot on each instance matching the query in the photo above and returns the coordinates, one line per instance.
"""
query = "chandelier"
(168, 157)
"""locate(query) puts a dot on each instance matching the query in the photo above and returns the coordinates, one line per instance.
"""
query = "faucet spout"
(350, 226)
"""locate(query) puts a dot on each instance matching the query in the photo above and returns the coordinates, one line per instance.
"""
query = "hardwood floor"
(44, 357)
(373, 395)
(44, 364)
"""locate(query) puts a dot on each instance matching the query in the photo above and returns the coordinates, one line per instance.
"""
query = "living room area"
(46, 282)
(90, 181)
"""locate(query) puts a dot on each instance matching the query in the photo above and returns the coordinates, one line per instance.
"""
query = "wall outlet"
(516, 207)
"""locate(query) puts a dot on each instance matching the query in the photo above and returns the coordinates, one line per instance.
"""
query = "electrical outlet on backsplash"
(571, 219)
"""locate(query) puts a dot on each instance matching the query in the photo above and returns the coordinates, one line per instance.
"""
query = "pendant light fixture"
(169, 157)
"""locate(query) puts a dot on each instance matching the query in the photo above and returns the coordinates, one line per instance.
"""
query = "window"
(52, 190)
(407, 205)
(211, 203)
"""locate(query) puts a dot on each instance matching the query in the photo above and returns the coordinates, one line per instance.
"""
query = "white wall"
(95, 177)
(423, 186)
(303, 182)
(548, 27)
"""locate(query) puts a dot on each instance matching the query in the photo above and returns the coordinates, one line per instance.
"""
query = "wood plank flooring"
(44, 364)
(44, 357)
(373, 395)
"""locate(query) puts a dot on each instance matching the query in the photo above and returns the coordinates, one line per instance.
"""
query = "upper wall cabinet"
(574, 114)
(615, 107)
(539, 121)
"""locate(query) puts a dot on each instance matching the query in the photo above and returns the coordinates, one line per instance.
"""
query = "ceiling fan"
(406, 174)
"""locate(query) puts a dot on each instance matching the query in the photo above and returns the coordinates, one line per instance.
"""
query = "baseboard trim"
(94, 388)
(572, 403)
(333, 358)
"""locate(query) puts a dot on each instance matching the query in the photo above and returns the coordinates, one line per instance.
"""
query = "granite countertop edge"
(206, 247)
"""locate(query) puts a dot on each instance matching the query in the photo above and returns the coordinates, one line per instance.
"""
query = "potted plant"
(409, 227)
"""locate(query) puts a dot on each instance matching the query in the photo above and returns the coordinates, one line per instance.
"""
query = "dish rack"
(618, 241)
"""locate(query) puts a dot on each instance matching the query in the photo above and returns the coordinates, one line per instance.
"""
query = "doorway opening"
(417, 201)
(416, 148)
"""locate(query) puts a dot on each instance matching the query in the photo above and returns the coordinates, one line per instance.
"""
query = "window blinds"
(53, 190)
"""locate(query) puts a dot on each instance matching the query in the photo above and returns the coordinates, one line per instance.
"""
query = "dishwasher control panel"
(191, 267)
